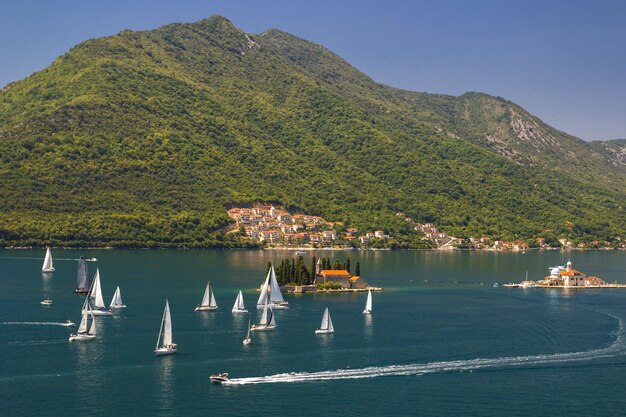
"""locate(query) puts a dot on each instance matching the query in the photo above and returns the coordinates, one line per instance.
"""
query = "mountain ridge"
(143, 138)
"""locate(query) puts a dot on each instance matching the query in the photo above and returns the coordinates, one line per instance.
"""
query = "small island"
(566, 277)
(323, 276)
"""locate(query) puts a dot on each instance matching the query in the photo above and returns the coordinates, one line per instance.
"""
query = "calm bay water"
(442, 340)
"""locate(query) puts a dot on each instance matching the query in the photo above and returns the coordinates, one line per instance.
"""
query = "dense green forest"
(144, 139)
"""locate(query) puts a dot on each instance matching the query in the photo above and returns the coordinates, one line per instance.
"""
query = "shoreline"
(303, 249)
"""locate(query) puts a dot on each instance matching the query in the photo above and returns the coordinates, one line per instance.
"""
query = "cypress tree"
(348, 265)
(336, 265)
(312, 273)
(357, 269)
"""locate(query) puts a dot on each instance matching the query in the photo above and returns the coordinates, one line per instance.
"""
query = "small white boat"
(46, 302)
(208, 300)
(271, 292)
(368, 303)
(247, 340)
(219, 378)
(267, 322)
(239, 307)
(327, 324)
(98, 309)
(496, 285)
(116, 301)
(48, 265)
(164, 344)
(300, 253)
(82, 333)
(69, 323)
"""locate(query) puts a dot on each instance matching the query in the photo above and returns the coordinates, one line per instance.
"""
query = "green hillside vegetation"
(143, 139)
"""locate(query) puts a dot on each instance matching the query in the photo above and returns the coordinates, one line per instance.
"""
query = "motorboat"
(46, 302)
(69, 323)
(219, 378)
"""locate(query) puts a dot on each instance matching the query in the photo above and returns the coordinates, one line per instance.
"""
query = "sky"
(563, 61)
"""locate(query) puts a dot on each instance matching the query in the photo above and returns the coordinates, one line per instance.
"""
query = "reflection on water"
(88, 365)
(46, 283)
(166, 383)
(368, 330)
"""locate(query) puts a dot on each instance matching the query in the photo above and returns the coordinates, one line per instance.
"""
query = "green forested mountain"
(144, 138)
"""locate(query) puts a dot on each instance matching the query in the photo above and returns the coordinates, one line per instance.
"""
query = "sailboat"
(99, 308)
(82, 277)
(247, 340)
(82, 333)
(368, 303)
(164, 344)
(267, 322)
(208, 300)
(272, 291)
(117, 302)
(238, 307)
(327, 324)
(48, 265)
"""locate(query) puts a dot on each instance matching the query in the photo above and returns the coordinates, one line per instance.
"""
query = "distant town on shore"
(278, 228)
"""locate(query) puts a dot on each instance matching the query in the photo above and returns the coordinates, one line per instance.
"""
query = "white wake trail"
(617, 347)
(34, 323)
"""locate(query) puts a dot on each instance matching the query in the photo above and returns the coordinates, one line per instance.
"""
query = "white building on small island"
(567, 277)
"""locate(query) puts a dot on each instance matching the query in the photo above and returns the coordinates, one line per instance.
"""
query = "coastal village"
(276, 227)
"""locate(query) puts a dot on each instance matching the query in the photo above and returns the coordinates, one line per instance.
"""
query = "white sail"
(272, 321)
(167, 325)
(82, 328)
(331, 328)
(92, 329)
(263, 297)
(368, 303)
(239, 306)
(205, 297)
(96, 291)
(48, 265)
(116, 301)
(212, 303)
(275, 295)
(325, 318)
(263, 321)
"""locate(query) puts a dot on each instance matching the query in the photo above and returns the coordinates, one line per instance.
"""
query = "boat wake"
(616, 348)
(34, 323)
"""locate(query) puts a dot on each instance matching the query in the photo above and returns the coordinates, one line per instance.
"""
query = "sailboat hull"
(236, 310)
(262, 328)
(102, 312)
(322, 331)
(118, 306)
(275, 306)
(247, 341)
(81, 337)
(48, 270)
(205, 308)
(165, 351)
(367, 312)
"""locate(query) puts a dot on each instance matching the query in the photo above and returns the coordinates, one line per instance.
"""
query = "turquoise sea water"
(441, 341)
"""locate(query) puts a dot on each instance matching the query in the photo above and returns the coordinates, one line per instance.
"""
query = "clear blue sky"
(564, 61)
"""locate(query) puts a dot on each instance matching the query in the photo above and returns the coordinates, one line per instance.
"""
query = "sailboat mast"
(161, 330)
